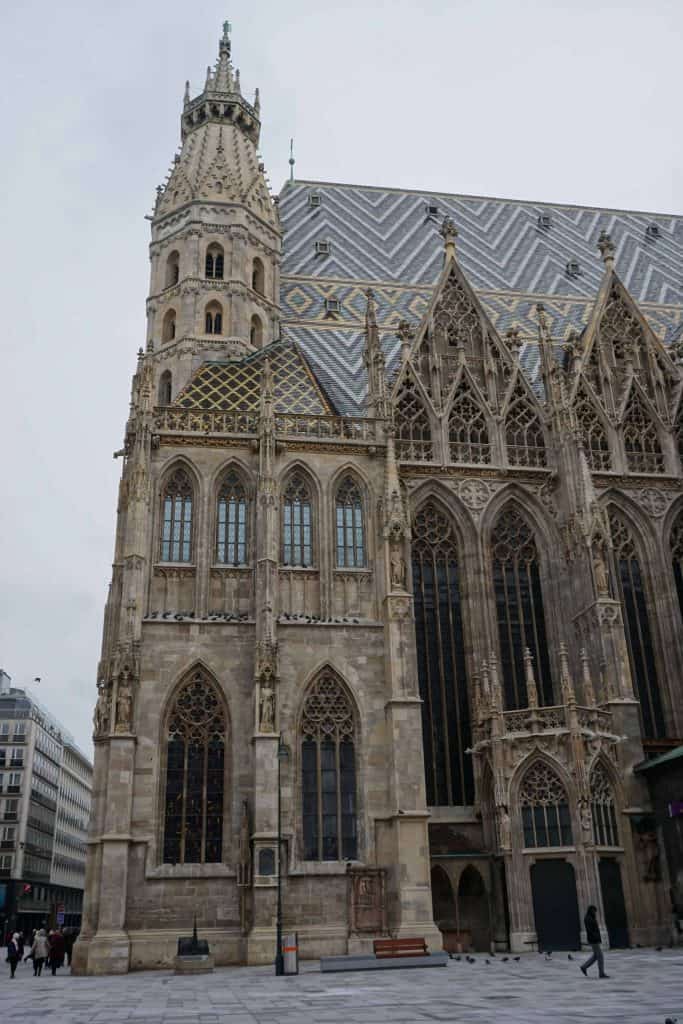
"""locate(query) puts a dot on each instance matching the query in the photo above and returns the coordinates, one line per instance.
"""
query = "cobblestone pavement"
(644, 986)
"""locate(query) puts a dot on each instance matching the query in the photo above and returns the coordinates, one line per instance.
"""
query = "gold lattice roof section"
(236, 386)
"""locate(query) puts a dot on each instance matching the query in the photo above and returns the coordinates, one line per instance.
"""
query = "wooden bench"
(384, 948)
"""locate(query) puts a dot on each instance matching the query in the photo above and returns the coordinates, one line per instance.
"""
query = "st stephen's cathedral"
(400, 541)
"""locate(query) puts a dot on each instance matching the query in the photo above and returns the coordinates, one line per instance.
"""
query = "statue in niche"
(267, 706)
(397, 566)
(585, 819)
(101, 716)
(504, 827)
(600, 571)
(124, 707)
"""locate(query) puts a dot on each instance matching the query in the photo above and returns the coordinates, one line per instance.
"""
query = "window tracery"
(297, 523)
(458, 320)
(350, 531)
(545, 809)
(213, 319)
(677, 557)
(605, 830)
(328, 772)
(231, 521)
(641, 441)
(519, 606)
(595, 443)
(523, 432)
(176, 532)
(214, 262)
(468, 435)
(413, 432)
(442, 670)
(195, 766)
(634, 603)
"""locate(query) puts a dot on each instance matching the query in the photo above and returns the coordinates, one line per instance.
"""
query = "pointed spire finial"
(607, 250)
(186, 97)
(406, 335)
(568, 695)
(449, 233)
(237, 82)
(371, 309)
(257, 101)
(531, 688)
(291, 159)
(225, 38)
(588, 691)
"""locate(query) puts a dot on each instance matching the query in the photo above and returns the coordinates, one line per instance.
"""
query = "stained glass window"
(519, 607)
(441, 659)
(328, 772)
(195, 769)
(545, 810)
(634, 603)
(605, 830)
(231, 521)
(350, 532)
(176, 530)
(297, 523)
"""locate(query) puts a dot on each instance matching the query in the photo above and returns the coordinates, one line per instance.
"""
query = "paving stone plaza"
(643, 986)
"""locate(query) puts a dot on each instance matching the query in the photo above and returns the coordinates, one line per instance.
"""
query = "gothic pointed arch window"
(297, 522)
(413, 432)
(634, 602)
(603, 809)
(328, 772)
(349, 525)
(168, 328)
(232, 525)
(256, 331)
(641, 440)
(258, 276)
(468, 435)
(442, 670)
(172, 269)
(677, 557)
(195, 774)
(213, 318)
(176, 526)
(523, 431)
(519, 606)
(546, 820)
(595, 442)
(214, 263)
(165, 388)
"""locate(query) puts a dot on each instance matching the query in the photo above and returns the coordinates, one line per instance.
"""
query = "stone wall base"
(109, 953)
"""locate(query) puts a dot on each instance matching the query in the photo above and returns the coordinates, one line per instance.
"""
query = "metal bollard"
(290, 950)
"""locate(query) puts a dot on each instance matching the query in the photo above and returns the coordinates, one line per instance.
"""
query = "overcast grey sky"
(567, 102)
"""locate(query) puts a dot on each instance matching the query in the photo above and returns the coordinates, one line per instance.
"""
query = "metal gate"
(613, 902)
(556, 908)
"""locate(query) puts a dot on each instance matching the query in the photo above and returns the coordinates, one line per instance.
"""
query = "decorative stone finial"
(514, 340)
(406, 334)
(291, 160)
(237, 82)
(531, 689)
(449, 233)
(370, 311)
(186, 97)
(588, 691)
(607, 250)
(568, 696)
(257, 101)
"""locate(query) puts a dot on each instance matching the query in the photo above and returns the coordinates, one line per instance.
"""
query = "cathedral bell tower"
(216, 238)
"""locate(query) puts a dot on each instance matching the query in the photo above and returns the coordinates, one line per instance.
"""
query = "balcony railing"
(200, 421)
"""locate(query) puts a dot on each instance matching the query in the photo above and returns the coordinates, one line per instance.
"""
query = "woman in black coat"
(594, 939)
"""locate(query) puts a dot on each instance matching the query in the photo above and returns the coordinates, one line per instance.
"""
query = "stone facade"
(290, 584)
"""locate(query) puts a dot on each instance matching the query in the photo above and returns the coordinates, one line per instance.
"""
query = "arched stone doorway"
(443, 901)
(473, 909)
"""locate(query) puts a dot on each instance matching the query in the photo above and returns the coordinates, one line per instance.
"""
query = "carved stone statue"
(398, 567)
(124, 707)
(586, 819)
(600, 571)
(504, 828)
(101, 715)
(267, 708)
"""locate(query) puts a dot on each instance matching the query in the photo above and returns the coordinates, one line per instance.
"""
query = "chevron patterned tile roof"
(389, 239)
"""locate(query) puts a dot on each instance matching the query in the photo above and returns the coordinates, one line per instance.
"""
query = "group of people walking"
(49, 948)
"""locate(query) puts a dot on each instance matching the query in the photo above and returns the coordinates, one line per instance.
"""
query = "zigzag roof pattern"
(389, 240)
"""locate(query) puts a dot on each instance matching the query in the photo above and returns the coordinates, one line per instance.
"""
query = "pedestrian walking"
(13, 955)
(56, 947)
(39, 952)
(594, 939)
(69, 939)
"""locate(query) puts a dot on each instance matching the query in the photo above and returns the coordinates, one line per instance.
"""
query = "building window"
(634, 604)
(195, 768)
(349, 525)
(545, 810)
(231, 521)
(172, 269)
(168, 328)
(297, 523)
(468, 436)
(258, 277)
(593, 434)
(256, 331)
(523, 432)
(605, 831)
(413, 432)
(641, 441)
(214, 262)
(165, 388)
(442, 670)
(176, 533)
(328, 772)
(677, 557)
(519, 607)
(213, 319)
